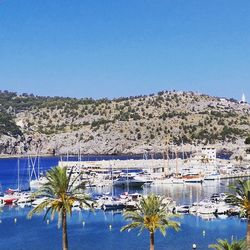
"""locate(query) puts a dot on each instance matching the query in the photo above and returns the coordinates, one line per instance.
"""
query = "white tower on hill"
(243, 99)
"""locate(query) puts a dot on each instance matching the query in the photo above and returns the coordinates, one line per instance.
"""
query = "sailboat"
(110, 202)
(38, 180)
(11, 195)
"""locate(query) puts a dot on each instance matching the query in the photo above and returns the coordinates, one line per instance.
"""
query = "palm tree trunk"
(64, 231)
(152, 241)
(248, 232)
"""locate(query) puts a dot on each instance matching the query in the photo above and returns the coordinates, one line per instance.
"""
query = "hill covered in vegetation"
(133, 124)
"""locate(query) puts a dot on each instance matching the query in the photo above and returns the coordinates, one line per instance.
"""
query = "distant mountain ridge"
(57, 125)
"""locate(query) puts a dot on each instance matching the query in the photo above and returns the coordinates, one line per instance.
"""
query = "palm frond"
(151, 214)
(240, 196)
(226, 245)
(40, 208)
(131, 226)
(60, 193)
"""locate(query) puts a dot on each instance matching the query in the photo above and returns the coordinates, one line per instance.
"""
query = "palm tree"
(241, 198)
(61, 191)
(225, 245)
(151, 214)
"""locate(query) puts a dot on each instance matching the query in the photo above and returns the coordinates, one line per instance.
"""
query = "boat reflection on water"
(207, 217)
(190, 192)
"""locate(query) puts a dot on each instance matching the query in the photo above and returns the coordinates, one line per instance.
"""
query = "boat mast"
(112, 180)
(38, 166)
(29, 170)
(127, 181)
(183, 156)
(18, 174)
(167, 167)
(164, 163)
(176, 159)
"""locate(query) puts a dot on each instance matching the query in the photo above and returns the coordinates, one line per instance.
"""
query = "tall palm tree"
(151, 214)
(225, 245)
(241, 198)
(61, 191)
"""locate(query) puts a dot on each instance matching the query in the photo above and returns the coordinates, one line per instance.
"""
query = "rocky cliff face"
(125, 125)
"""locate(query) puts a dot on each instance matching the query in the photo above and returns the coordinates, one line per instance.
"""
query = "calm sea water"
(95, 233)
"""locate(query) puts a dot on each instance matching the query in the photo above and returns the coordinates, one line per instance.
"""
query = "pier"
(161, 166)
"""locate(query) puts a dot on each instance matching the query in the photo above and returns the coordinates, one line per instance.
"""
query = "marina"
(202, 206)
(116, 176)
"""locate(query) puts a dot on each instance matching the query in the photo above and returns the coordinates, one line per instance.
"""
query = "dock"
(164, 166)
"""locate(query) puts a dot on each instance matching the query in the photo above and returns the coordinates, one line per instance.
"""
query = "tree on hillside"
(247, 140)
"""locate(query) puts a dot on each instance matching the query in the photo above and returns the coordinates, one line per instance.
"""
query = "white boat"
(178, 181)
(38, 201)
(131, 204)
(135, 196)
(223, 196)
(204, 202)
(234, 210)
(166, 181)
(24, 200)
(207, 209)
(193, 178)
(207, 217)
(113, 204)
(184, 209)
(9, 198)
(222, 208)
(212, 177)
(130, 181)
(76, 206)
(38, 183)
(145, 179)
(193, 209)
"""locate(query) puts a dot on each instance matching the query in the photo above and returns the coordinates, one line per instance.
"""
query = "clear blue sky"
(112, 48)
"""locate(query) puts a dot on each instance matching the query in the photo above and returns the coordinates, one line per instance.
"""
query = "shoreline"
(157, 155)
(71, 155)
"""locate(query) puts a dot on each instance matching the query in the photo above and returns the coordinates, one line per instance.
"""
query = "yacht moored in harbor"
(129, 181)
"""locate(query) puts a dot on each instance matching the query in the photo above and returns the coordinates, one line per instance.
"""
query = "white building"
(243, 99)
(209, 152)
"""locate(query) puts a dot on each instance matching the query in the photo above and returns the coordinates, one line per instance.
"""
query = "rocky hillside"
(56, 125)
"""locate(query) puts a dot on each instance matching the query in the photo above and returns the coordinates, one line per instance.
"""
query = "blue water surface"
(95, 232)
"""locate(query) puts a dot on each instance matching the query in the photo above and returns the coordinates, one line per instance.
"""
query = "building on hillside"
(209, 152)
